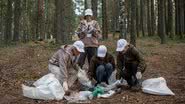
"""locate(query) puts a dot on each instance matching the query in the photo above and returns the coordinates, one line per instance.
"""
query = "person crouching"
(101, 65)
(130, 63)
(63, 64)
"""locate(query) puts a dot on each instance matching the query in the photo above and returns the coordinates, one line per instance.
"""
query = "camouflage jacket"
(89, 32)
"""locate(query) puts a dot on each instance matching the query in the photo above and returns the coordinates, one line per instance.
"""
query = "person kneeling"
(101, 65)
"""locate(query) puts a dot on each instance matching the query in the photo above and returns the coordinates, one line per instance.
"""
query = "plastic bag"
(112, 78)
(82, 95)
(46, 79)
(112, 86)
(108, 94)
(156, 86)
(83, 79)
(41, 92)
(47, 88)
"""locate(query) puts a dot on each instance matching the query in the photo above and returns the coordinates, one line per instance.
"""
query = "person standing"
(89, 32)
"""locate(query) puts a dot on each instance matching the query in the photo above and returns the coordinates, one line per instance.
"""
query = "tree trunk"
(104, 20)
(115, 16)
(1, 21)
(122, 20)
(148, 18)
(37, 20)
(142, 12)
(55, 20)
(177, 17)
(161, 21)
(152, 18)
(137, 18)
(17, 14)
(128, 6)
(8, 26)
(170, 19)
(87, 4)
(182, 19)
(133, 23)
(94, 7)
(64, 21)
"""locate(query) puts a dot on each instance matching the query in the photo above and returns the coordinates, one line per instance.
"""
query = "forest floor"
(30, 62)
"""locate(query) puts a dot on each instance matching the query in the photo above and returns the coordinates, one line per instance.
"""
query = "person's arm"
(63, 66)
(140, 58)
(79, 32)
(97, 31)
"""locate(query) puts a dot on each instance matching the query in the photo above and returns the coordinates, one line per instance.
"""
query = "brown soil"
(29, 62)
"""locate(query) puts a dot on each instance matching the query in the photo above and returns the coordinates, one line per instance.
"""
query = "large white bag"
(83, 79)
(45, 80)
(47, 88)
(156, 86)
(79, 96)
(41, 92)
(112, 78)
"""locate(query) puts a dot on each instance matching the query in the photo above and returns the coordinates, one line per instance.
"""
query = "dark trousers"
(89, 53)
(103, 72)
(129, 74)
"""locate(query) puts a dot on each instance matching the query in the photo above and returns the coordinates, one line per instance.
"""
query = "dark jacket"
(131, 56)
(96, 61)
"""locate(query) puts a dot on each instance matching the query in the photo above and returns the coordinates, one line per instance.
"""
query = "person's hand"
(138, 75)
(65, 86)
(91, 30)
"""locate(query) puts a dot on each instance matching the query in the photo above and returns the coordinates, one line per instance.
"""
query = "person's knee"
(109, 66)
(100, 69)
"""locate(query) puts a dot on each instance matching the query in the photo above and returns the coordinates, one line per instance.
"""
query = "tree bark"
(64, 21)
(1, 21)
(137, 18)
(170, 19)
(142, 12)
(17, 14)
(161, 21)
(133, 23)
(122, 19)
(148, 19)
(182, 19)
(94, 7)
(152, 18)
(8, 26)
(104, 20)
(87, 4)
(177, 17)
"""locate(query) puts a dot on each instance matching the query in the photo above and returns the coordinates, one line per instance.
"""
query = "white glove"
(65, 86)
(138, 75)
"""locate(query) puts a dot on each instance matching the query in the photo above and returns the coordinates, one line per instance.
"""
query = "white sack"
(83, 79)
(156, 86)
(47, 88)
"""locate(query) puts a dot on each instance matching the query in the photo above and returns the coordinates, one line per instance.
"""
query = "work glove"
(65, 86)
(138, 75)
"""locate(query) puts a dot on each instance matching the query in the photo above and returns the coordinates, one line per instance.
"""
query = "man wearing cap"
(89, 32)
(102, 65)
(63, 63)
(130, 62)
